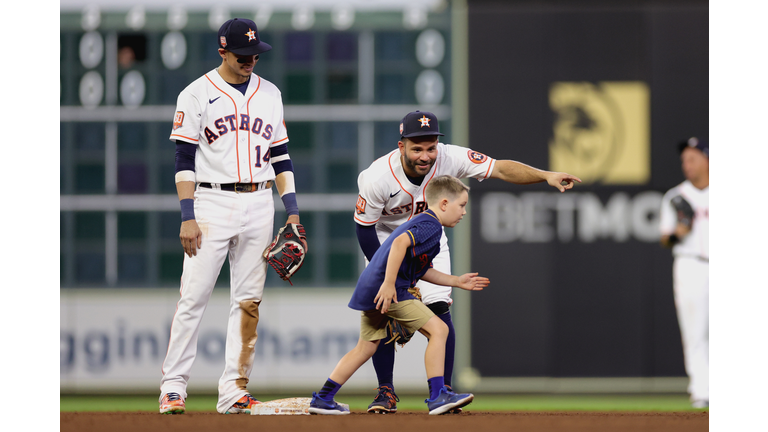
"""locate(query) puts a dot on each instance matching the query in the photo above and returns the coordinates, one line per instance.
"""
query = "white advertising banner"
(116, 340)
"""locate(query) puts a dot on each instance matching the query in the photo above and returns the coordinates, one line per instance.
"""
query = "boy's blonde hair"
(444, 186)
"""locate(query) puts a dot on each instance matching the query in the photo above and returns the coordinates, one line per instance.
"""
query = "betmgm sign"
(601, 134)
(541, 217)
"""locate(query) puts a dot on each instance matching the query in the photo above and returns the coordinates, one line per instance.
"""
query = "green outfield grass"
(202, 403)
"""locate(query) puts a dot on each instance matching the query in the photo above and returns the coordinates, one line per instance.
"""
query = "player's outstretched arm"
(518, 173)
(467, 281)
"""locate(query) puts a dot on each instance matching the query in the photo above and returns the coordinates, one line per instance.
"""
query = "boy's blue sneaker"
(320, 406)
(447, 401)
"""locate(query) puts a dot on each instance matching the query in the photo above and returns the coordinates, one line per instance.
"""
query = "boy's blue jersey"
(424, 232)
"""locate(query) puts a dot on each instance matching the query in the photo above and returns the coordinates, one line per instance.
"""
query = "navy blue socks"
(450, 347)
(384, 363)
(435, 384)
(384, 358)
(329, 390)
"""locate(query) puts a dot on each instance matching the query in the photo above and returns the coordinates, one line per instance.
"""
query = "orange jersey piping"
(182, 136)
(424, 191)
(364, 222)
(389, 161)
(248, 112)
(237, 134)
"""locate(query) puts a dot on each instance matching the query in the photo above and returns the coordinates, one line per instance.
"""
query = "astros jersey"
(424, 232)
(388, 199)
(234, 132)
(696, 243)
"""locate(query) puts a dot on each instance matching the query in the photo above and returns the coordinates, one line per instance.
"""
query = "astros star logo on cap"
(424, 121)
(251, 35)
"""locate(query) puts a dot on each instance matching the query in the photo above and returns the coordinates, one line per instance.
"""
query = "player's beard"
(411, 166)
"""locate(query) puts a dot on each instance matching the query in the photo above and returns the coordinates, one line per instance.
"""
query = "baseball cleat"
(172, 403)
(447, 401)
(385, 402)
(243, 405)
(319, 405)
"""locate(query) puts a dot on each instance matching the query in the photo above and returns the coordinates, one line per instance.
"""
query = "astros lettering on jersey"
(213, 115)
(388, 199)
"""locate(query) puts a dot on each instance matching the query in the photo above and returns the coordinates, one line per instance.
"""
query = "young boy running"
(382, 293)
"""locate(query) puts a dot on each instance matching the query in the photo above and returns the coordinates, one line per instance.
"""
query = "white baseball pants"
(431, 293)
(241, 225)
(691, 287)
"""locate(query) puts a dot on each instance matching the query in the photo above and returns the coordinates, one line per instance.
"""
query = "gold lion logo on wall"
(601, 132)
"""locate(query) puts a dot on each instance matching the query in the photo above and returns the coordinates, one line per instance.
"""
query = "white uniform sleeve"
(667, 216)
(370, 201)
(186, 120)
(280, 135)
(469, 163)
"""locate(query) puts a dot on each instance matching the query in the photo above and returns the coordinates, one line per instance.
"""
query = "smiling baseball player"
(230, 148)
(391, 192)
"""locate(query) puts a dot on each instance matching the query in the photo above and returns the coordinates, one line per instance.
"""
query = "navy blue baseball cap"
(419, 123)
(696, 143)
(240, 36)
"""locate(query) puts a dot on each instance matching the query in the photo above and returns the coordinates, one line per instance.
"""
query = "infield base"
(289, 406)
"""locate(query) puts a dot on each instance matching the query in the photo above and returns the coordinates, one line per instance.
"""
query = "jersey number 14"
(259, 158)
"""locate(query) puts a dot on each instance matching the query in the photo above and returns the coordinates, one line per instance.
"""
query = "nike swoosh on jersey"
(392, 195)
(210, 101)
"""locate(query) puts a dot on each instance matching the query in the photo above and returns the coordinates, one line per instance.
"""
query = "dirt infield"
(402, 422)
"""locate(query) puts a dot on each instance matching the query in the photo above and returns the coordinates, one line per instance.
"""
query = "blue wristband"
(187, 209)
(289, 201)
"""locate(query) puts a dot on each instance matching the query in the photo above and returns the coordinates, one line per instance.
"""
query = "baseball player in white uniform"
(391, 192)
(231, 147)
(690, 247)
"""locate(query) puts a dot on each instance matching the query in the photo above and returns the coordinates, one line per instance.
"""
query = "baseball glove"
(287, 251)
(398, 333)
(416, 292)
(395, 331)
(684, 211)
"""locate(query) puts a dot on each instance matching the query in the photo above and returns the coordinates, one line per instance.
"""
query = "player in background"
(231, 146)
(382, 294)
(690, 248)
(391, 192)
